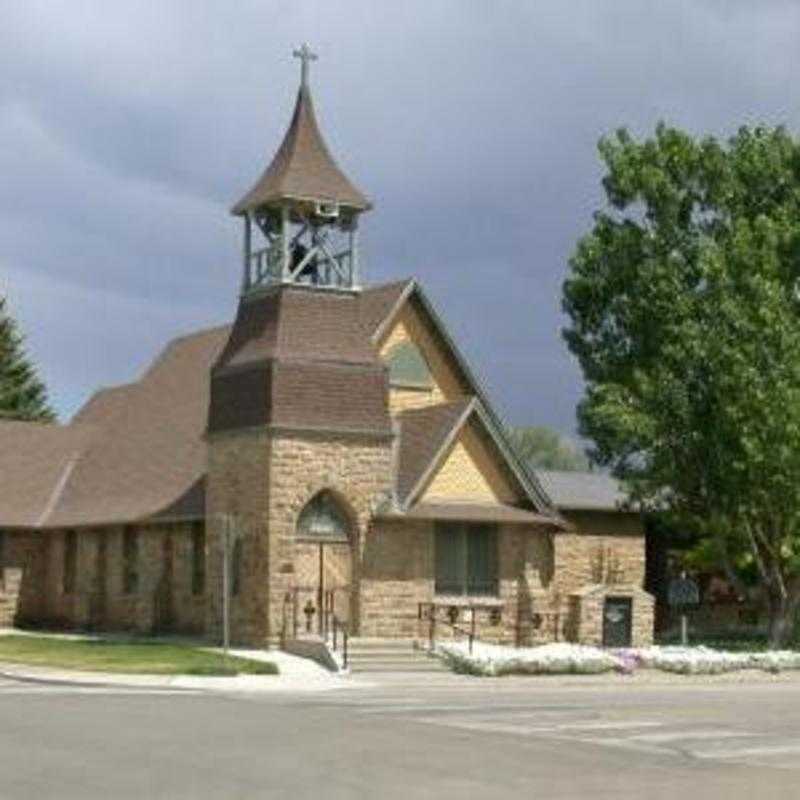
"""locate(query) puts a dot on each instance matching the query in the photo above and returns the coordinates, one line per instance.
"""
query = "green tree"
(684, 302)
(543, 447)
(22, 394)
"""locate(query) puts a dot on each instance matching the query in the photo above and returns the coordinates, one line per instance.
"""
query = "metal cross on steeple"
(305, 55)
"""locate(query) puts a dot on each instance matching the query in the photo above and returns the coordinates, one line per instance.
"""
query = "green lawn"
(142, 657)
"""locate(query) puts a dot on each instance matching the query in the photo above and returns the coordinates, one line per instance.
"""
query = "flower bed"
(706, 661)
(549, 659)
(575, 659)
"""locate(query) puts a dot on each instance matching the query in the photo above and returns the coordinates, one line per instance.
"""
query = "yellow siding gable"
(410, 326)
(470, 473)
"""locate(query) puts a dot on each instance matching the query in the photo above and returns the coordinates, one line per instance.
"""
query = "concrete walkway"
(296, 674)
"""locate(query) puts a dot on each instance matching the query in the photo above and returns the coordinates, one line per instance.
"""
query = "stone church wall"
(605, 549)
(163, 599)
(238, 485)
(356, 469)
(398, 574)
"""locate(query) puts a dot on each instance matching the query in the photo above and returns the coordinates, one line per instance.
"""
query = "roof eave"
(243, 207)
(527, 479)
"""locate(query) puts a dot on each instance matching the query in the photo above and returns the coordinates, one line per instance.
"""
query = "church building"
(329, 453)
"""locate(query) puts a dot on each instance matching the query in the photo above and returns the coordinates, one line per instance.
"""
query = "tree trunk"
(781, 619)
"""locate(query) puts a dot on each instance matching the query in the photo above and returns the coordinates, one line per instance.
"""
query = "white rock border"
(576, 659)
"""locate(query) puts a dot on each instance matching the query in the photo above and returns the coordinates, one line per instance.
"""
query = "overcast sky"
(128, 129)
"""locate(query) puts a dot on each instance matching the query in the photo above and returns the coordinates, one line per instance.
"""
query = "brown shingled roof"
(297, 357)
(151, 451)
(426, 435)
(36, 461)
(137, 451)
(423, 434)
(104, 404)
(379, 303)
(303, 168)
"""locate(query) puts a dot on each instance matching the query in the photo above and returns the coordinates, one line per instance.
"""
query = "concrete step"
(381, 644)
(384, 651)
(390, 655)
(421, 664)
(363, 669)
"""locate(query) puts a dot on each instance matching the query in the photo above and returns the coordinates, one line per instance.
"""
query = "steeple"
(304, 208)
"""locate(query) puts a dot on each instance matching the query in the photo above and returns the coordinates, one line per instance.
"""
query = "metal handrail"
(430, 616)
(334, 630)
(341, 626)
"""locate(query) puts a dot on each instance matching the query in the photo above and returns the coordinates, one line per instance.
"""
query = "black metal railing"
(340, 639)
(448, 618)
(331, 626)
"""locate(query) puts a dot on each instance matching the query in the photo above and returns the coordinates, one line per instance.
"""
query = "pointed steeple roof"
(303, 168)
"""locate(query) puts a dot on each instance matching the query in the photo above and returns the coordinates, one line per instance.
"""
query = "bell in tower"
(301, 217)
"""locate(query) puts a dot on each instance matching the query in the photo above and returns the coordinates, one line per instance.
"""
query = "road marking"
(746, 752)
(603, 726)
(686, 735)
(532, 728)
(365, 707)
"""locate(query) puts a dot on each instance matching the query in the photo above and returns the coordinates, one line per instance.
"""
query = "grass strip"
(126, 656)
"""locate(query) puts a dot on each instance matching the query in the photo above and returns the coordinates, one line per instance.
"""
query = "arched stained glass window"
(408, 367)
(323, 519)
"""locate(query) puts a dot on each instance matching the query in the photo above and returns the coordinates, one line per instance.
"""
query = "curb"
(26, 677)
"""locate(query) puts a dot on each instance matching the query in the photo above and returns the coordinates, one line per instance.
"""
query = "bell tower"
(301, 217)
(298, 401)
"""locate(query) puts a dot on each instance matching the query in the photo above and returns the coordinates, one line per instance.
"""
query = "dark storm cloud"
(128, 129)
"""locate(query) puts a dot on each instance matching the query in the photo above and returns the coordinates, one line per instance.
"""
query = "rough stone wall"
(582, 558)
(98, 600)
(24, 551)
(164, 600)
(586, 614)
(356, 469)
(606, 549)
(398, 573)
(10, 587)
(238, 484)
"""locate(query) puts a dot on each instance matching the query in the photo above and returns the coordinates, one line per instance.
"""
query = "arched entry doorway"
(323, 558)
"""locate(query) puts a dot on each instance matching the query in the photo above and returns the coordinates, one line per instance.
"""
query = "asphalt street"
(403, 738)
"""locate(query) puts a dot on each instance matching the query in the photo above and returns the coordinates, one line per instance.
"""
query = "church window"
(323, 519)
(408, 367)
(130, 560)
(70, 562)
(198, 558)
(466, 559)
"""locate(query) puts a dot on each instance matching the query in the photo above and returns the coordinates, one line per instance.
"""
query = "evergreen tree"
(22, 395)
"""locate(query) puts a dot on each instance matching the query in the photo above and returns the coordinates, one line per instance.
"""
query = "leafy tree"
(684, 304)
(22, 394)
(544, 448)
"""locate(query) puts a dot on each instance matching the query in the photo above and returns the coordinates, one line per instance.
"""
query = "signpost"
(682, 593)
(229, 533)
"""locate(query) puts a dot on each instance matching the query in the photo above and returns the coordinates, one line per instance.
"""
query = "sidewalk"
(295, 675)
